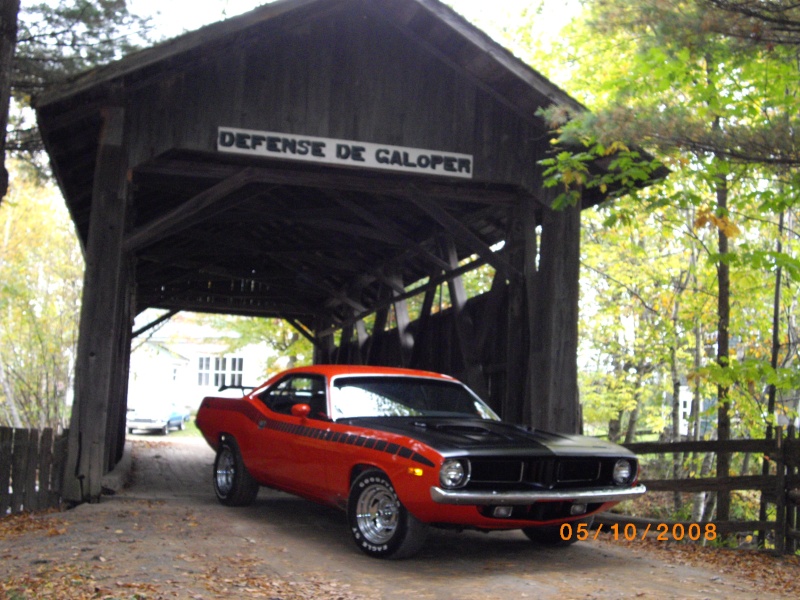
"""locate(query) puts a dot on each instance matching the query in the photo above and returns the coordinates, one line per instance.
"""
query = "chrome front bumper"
(481, 498)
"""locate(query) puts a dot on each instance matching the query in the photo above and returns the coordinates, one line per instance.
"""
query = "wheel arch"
(360, 468)
(222, 436)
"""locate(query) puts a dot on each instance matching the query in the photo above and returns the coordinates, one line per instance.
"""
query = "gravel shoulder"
(165, 536)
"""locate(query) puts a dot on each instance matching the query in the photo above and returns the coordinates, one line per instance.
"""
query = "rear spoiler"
(243, 388)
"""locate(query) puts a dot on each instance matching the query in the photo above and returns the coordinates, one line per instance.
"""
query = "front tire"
(233, 484)
(381, 526)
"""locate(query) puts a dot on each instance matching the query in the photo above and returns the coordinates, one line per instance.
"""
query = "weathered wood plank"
(6, 447)
(173, 48)
(203, 206)
(422, 337)
(712, 484)
(463, 325)
(19, 469)
(456, 228)
(388, 229)
(60, 449)
(754, 446)
(462, 192)
(107, 285)
(404, 338)
(30, 501)
(518, 327)
(554, 344)
(46, 483)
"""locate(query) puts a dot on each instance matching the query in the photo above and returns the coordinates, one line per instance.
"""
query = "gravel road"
(165, 536)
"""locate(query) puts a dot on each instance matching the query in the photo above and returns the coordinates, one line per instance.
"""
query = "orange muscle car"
(401, 450)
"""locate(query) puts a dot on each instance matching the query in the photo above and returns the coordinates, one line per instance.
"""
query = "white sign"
(343, 152)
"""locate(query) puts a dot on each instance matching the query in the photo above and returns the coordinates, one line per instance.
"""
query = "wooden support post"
(118, 397)
(361, 338)
(761, 534)
(104, 337)
(780, 493)
(406, 340)
(422, 340)
(464, 327)
(791, 451)
(343, 351)
(541, 375)
(553, 368)
(516, 396)
(379, 326)
(324, 348)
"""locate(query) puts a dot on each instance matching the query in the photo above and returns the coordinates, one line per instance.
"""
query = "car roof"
(330, 371)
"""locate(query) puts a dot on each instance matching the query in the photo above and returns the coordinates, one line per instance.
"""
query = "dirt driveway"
(165, 536)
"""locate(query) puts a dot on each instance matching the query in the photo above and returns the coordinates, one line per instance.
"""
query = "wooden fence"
(31, 469)
(779, 487)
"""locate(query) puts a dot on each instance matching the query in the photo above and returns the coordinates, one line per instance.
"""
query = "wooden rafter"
(199, 208)
(463, 234)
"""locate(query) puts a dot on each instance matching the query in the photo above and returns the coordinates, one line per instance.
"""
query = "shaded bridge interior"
(319, 247)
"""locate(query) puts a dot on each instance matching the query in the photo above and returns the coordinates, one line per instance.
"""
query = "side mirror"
(301, 410)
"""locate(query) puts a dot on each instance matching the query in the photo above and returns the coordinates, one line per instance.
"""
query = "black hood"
(466, 436)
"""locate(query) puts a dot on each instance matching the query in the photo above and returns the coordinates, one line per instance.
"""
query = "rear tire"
(233, 484)
(381, 526)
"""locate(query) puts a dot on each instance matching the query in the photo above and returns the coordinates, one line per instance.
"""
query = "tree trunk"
(630, 432)
(614, 428)
(703, 500)
(16, 421)
(677, 458)
(676, 421)
(723, 348)
(699, 499)
(9, 10)
(776, 346)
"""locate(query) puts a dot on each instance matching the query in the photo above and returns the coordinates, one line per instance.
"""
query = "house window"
(204, 371)
(219, 371)
(237, 366)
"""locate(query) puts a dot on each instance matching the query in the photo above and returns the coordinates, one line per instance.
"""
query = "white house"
(186, 359)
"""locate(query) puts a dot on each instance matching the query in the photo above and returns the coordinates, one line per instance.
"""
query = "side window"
(297, 389)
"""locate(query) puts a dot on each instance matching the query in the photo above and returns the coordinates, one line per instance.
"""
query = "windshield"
(402, 396)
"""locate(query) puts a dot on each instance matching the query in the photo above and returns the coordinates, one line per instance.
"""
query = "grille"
(575, 471)
(547, 473)
(497, 471)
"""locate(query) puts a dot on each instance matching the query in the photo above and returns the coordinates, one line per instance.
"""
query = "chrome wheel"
(233, 483)
(225, 471)
(377, 513)
(379, 523)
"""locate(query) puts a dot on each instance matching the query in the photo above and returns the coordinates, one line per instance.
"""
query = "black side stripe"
(349, 439)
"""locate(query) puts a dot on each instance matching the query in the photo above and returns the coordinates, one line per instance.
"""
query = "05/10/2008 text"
(662, 532)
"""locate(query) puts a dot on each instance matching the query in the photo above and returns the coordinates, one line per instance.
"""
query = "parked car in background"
(401, 450)
(157, 418)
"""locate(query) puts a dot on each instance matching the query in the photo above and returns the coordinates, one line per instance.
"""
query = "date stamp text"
(662, 532)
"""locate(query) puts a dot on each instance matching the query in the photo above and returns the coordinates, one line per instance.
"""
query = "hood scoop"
(470, 431)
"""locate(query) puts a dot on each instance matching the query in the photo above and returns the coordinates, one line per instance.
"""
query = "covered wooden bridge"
(321, 161)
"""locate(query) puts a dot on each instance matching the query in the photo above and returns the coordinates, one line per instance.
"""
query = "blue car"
(157, 418)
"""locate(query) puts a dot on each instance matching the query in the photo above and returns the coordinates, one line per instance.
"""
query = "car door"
(291, 448)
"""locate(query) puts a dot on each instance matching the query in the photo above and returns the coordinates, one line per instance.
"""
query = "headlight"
(454, 473)
(623, 471)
